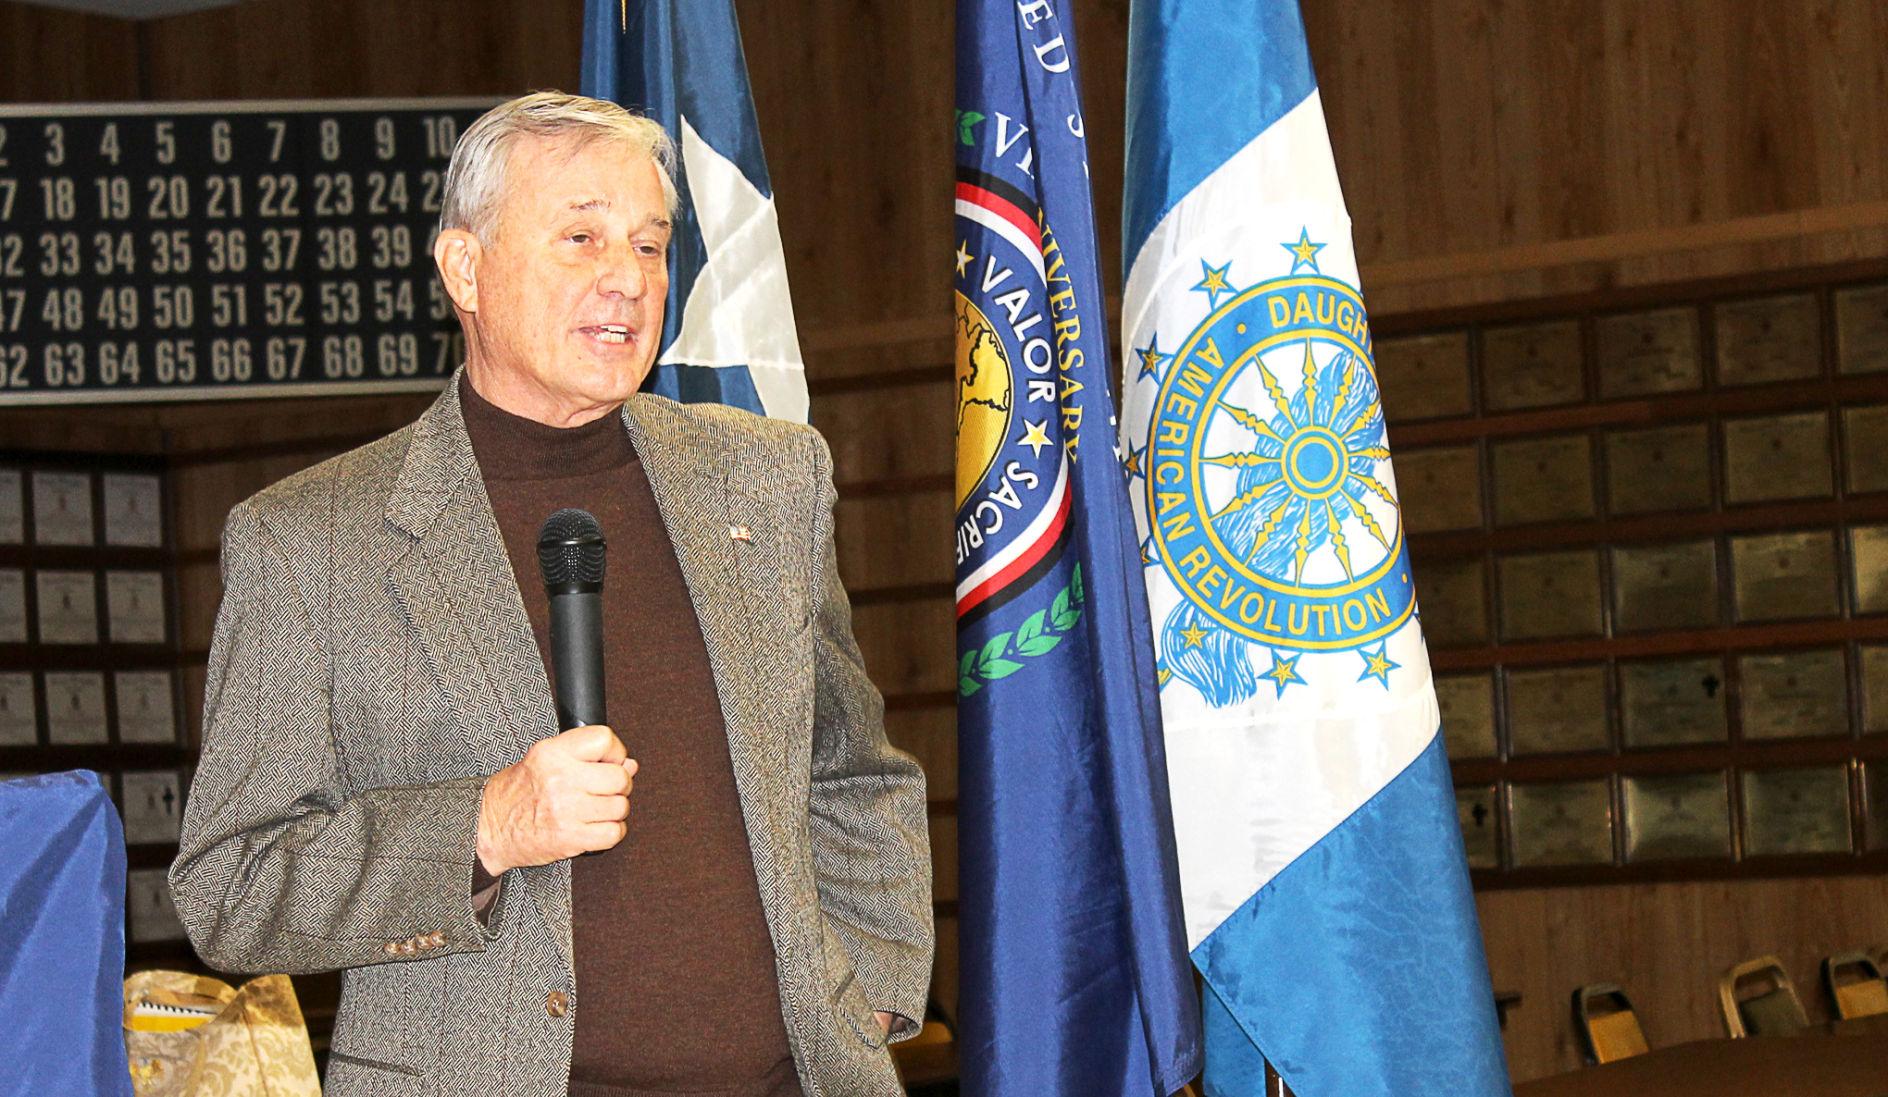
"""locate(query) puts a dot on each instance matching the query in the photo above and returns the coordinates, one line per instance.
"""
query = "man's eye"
(579, 238)
(651, 250)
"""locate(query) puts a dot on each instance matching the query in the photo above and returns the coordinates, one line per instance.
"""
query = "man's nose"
(620, 274)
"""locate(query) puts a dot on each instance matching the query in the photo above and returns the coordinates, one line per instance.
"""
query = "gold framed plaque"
(1793, 695)
(12, 606)
(1641, 353)
(1452, 597)
(1481, 838)
(1532, 366)
(1543, 479)
(1547, 594)
(146, 709)
(1561, 823)
(68, 607)
(1862, 329)
(1868, 548)
(12, 507)
(1665, 586)
(1467, 704)
(1769, 339)
(75, 707)
(19, 711)
(1664, 468)
(1874, 805)
(134, 509)
(1424, 376)
(1777, 457)
(1796, 811)
(1440, 488)
(1776, 576)
(1558, 710)
(1678, 815)
(1864, 457)
(1874, 659)
(1669, 702)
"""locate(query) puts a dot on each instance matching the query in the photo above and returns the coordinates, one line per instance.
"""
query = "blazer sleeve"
(871, 847)
(278, 868)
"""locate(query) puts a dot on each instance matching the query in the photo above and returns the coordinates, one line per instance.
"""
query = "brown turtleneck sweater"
(675, 983)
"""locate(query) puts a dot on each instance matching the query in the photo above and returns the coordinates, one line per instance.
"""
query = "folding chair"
(1855, 985)
(1758, 999)
(1608, 1026)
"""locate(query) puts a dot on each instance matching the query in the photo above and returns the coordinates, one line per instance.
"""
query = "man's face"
(564, 305)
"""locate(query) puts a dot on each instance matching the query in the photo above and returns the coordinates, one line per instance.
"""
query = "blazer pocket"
(847, 996)
(373, 1064)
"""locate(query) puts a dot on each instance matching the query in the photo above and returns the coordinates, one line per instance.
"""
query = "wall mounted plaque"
(1546, 594)
(1452, 598)
(1678, 815)
(1668, 702)
(1875, 804)
(1664, 468)
(1556, 710)
(1531, 366)
(1793, 695)
(1777, 576)
(147, 712)
(1768, 339)
(1475, 810)
(1864, 456)
(1862, 329)
(12, 507)
(1562, 823)
(1874, 688)
(62, 508)
(134, 510)
(1665, 586)
(148, 907)
(1441, 488)
(153, 806)
(1424, 376)
(1543, 479)
(68, 607)
(1796, 811)
(1868, 548)
(134, 607)
(12, 606)
(75, 706)
(1641, 353)
(1467, 703)
(1777, 457)
(19, 714)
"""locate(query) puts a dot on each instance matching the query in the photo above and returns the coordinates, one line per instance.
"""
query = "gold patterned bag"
(194, 1036)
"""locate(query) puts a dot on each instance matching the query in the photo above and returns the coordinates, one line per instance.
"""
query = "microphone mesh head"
(570, 549)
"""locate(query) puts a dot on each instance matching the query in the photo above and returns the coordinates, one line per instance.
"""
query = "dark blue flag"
(1075, 978)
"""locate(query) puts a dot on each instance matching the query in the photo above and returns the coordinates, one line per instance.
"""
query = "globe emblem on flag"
(984, 396)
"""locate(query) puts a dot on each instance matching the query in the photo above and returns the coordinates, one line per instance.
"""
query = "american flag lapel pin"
(740, 533)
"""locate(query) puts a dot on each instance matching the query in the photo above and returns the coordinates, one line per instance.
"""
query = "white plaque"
(12, 606)
(75, 707)
(147, 901)
(134, 510)
(146, 713)
(62, 508)
(68, 607)
(154, 803)
(12, 508)
(19, 723)
(134, 607)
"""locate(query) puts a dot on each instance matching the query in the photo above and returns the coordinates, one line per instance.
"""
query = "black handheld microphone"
(570, 554)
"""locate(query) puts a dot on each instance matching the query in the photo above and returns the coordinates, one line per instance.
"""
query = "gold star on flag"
(1035, 436)
(1214, 283)
(1194, 635)
(1304, 253)
(963, 257)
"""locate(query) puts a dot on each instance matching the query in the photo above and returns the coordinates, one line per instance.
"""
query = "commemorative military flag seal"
(1074, 972)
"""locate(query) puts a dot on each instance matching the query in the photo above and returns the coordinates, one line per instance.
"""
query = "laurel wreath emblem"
(1002, 655)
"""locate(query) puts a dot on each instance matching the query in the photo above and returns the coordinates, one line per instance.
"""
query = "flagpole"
(1274, 1085)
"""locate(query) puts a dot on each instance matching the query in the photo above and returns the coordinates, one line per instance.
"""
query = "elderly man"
(726, 893)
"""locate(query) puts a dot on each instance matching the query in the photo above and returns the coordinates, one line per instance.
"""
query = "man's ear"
(457, 253)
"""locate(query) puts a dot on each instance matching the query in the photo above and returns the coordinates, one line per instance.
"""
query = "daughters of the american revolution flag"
(1075, 979)
(1327, 898)
(728, 334)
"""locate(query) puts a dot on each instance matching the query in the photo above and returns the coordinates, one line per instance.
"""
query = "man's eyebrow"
(589, 205)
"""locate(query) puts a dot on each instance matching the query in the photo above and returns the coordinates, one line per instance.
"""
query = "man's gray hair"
(475, 178)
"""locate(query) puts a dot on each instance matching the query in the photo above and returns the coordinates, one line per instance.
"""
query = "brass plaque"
(1440, 488)
(1874, 802)
(1543, 479)
(1874, 688)
(1563, 823)
(1453, 601)
(1680, 815)
(1769, 339)
(1467, 703)
(1862, 329)
(1784, 575)
(1669, 702)
(1796, 811)
(1550, 594)
(1865, 448)
(1665, 586)
(1868, 547)
(1424, 376)
(1776, 457)
(1665, 468)
(1793, 695)
(1557, 710)
(1641, 353)
(1481, 838)
(1532, 366)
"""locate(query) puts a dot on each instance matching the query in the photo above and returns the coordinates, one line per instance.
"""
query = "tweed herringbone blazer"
(373, 664)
